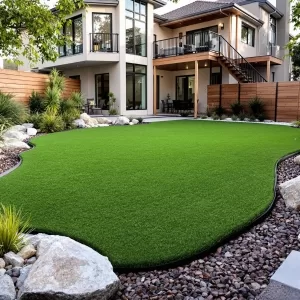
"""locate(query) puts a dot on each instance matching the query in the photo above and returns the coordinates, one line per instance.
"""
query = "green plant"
(252, 118)
(140, 120)
(13, 226)
(36, 103)
(56, 80)
(261, 118)
(220, 110)
(51, 123)
(223, 117)
(14, 111)
(208, 112)
(4, 124)
(69, 118)
(256, 106)
(113, 112)
(234, 118)
(242, 116)
(203, 117)
(185, 114)
(237, 108)
(52, 100)
(77, 100)
(215, 116)
(35, 119)
(296, 124)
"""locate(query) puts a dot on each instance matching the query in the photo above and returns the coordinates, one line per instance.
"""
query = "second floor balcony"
(104, 42)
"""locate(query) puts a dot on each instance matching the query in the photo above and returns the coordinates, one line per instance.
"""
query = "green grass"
(152, 194)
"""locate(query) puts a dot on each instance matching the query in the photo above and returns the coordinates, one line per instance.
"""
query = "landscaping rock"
(23, 275)
(297, 160)
(31, 261)
(2, 263)
(103, 125)
(131, 124)
(66, 269)
(14, 134)
(31, 131)
(13, 259)
(13, 144)
(20, 128)
(135, 121)
(290, 191)
(2, 272)
(28, 125)
(27, 252)
(102, 120)
(122, 121)
(7, 288)
(79, 123)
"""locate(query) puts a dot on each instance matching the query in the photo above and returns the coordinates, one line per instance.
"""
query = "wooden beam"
(154, 90)
(268, 70)
(237, 32)
(196, 89)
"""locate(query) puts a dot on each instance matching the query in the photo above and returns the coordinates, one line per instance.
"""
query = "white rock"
(84, 117)
(66, 269)
(21, 128)
(103, 120)
(122, 121)
(28, 125)
(27, 252)
(23, 275)
(103, 125)
(2, 272)
(297, 160)
(135, 121)
(290, 191)
(7, 288)
(131, 124)
(31, 131)
(79, 123)
(228, 254)
(13, 259)
(14, 134)
(2, 263)
(10, 144)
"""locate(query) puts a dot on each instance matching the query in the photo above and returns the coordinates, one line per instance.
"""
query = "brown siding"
(21, 84)
(288, 98)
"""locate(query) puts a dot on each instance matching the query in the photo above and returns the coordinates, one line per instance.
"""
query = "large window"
(102, 90)
(136, 87)
(136, 27)
(273, 30)
(72, 30)
(102, 32)
(248, 35)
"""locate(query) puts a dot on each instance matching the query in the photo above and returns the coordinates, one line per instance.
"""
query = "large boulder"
(103, 120)
(13, 259)
(15, 134)
(7, 288)
(28, 125)
(297, 160)
(91, 122)
(122, 121)
(20, 128)
(135, 121)
(11, 144)
(85, 117)
(79, 123)
(66, 269)
(290, 191)
(31, 131)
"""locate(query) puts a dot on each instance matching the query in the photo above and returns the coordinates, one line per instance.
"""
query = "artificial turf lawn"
(152, 194)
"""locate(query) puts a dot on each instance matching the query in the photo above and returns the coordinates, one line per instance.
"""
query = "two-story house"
(125, 48)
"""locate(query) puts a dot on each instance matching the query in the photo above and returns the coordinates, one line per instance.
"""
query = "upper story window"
(248, 35)
(73, 30)
(273, 30)
(136, 27)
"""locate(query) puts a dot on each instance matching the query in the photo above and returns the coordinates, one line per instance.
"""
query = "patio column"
(268, 70)
(154, 90)
(196, 89)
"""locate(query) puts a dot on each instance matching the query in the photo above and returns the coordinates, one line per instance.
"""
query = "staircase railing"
(237, 60)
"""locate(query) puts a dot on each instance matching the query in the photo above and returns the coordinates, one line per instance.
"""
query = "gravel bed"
(9, 159)
(240, 269)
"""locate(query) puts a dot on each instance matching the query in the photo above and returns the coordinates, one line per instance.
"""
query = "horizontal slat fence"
(282, 99)
(21, 84)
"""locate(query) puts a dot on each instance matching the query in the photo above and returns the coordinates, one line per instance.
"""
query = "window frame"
(273, 25)
(134, 19)
(102, 13)
(248, 27)
(73, 37)
(133, 74)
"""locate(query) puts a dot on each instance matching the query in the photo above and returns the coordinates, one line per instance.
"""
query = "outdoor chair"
(100, 107)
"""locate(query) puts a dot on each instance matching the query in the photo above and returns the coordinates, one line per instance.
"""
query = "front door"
(185, 86)
(102, 90)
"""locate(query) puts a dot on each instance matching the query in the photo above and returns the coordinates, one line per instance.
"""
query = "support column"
(230, 35)
(268, 70)
(236, 32)
(154, 90)
(196, 89)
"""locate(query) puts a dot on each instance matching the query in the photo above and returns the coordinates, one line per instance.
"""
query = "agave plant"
(52, 100)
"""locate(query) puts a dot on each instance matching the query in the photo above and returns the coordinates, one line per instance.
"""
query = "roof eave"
(271, 9)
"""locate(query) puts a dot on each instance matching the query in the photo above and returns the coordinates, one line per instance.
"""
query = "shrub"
(220, 110)
(296, 124)
(234, 118)
(237, 108)
(223, 117)
(203, 117)
(140, 120)
(215, 116)
(185, 114)
(242, 116)
(11, 110)
(52, 100)
(208, 112)
(252, 118)
(35, 119)
(113, 112)
(256, 106)
(4, 124)
(36, 103)
(13, 226)
(56, 80)
(69, 118)
(77, 100)
(51, 123)
(261, 117)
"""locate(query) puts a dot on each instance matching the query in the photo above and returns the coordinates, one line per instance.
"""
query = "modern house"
(125, 48)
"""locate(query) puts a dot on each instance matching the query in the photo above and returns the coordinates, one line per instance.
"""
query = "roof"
(156, 3)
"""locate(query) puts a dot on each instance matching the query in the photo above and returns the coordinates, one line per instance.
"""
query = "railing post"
(219, 46)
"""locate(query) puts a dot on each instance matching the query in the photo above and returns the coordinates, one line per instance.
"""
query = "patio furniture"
(100, 107)
(167, 106)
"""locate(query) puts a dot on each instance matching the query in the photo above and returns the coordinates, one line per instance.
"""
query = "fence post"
(220, 96)
(276, 102)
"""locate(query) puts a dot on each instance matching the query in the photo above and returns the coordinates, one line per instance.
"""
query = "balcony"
(104, 42)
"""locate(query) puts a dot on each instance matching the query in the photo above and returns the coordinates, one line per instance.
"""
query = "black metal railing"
(237, 62)
(208, 41)
(104, 42)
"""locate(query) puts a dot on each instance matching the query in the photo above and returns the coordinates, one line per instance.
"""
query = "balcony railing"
(104, 42)
(192, 43)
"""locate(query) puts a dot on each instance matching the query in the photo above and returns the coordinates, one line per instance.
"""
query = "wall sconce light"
(205, 65)
(180, 35)
(221, 25)
(187, 67)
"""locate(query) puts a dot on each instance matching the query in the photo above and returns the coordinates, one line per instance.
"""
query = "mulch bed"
(241, 269)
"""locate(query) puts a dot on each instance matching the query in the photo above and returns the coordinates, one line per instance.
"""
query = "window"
(273, 30)
(102, 90)
(136, 28)
(273, 76)
(102, 32)
(216, 78)
(248, 35)
(102, 23)
(73, 31)
(136, 87)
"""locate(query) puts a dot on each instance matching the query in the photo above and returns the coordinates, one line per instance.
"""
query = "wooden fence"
(21, 84)
(282, 99)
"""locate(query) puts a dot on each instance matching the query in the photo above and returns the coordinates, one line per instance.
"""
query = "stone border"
(208, 250)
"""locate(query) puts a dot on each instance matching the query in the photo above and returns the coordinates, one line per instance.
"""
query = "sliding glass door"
(102, 90)
(185, 86)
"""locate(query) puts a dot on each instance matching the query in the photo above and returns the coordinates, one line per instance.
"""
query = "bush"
(252, 118)
(69, 118)
(215, 116)
(140, 120)
(77, 100)
(242, 117)
(52, 100)
(184, 114)
(13, 226)
(256, 106)
(4, 124)
(11, 110)
(296, 124)
(220, 111)
(261, 117)
(113, 112)
(35, 119)
(208, 112)
(223, 117)
(234, 118)
(51, 123)
(56, 80)
(36, 103)
(237, 108)
(203, 117)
